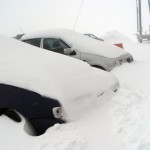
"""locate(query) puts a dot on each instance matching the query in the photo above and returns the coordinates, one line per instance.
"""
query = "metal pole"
(137, 10)
(149, 4)
(139, 20)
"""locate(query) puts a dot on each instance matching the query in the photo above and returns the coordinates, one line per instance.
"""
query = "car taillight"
(57, 112)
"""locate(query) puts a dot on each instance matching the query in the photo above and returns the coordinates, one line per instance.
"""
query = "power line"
(78, 15)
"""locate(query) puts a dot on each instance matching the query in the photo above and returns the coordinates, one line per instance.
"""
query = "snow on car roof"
(80, 42)
(50, 74)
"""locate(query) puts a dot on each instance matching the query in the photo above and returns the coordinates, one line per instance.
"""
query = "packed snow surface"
(118, 123)
(80, 42)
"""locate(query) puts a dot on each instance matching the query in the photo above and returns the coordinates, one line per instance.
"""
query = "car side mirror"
(69, 51)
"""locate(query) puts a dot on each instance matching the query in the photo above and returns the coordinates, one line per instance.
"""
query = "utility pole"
(140, 35)
(149, 4)
(139, 20)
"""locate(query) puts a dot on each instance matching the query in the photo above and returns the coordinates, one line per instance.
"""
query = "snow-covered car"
(96, 53)
(47, 87)
(42, 112)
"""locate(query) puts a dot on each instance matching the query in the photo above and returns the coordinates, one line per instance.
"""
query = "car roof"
(80, 42)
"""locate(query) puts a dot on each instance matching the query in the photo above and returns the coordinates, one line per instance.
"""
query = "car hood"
(80, 42)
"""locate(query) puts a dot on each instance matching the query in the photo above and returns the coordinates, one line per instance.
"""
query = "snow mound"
(58, 138)
(131, 118)
(116, 37)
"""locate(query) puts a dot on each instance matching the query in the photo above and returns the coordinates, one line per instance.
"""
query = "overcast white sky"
(97, 16)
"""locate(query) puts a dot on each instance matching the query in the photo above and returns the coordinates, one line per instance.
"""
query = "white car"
(95, 52)
(46, 87)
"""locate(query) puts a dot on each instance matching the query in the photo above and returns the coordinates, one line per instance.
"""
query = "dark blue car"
(42, 112)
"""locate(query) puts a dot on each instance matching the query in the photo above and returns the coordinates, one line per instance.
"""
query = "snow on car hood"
(80, 42)
(50, 74)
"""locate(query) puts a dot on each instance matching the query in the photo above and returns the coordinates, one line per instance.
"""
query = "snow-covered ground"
(120, 123)
(131, 105)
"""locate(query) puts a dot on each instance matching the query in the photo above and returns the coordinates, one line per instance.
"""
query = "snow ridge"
(58, 138)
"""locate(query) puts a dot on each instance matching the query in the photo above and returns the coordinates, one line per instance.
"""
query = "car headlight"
(117, 63)
(57, 112)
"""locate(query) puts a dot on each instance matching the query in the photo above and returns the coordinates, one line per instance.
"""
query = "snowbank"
(131, 118)
(131, 105)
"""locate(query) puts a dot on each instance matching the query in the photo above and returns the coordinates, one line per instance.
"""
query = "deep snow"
(120, 123)
(131, 104)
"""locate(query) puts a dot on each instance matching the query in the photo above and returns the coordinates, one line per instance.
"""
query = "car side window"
(65, 46)
(35, 42)
(54, 45)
